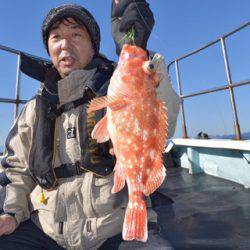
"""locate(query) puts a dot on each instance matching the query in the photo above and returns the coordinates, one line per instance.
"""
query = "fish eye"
(149, 67)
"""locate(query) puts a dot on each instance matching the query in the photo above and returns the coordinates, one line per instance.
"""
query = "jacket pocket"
(43, 214)
(103, 201)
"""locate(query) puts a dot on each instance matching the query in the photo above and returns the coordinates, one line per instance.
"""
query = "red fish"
(136, 122)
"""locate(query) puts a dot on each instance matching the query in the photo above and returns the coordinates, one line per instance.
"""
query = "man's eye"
(76, 34)
(55, 37)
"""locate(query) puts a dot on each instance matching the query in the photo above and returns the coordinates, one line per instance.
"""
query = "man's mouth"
(67, 60)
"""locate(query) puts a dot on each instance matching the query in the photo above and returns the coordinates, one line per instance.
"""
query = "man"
(58, 175)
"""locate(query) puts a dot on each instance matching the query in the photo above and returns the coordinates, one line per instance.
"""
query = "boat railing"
(229, 86)
(16, 101)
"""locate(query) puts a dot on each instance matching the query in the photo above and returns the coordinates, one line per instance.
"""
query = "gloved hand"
(131, 13)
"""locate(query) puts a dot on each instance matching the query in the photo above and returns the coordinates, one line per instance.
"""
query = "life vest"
(95, 157)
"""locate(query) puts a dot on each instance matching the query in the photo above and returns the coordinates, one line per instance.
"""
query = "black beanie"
(78, 13)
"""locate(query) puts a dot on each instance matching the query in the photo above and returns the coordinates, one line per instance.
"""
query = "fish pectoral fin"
(98, 103)
(114, 102)
(119, 178)
(156, 176)
(100, 131)
(118, 105)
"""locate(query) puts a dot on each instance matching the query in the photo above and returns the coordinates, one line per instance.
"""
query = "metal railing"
(230, 85)
(17, 99)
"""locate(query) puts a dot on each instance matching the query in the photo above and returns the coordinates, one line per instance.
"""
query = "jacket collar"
(72, 86)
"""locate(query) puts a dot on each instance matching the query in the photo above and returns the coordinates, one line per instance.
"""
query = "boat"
(204, 203)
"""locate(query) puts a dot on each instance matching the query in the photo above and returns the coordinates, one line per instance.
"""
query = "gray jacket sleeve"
(15, 163)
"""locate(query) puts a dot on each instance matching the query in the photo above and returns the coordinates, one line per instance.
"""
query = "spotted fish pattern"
(136, 123)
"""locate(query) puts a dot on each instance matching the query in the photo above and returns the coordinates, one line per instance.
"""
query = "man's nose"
(65, 43)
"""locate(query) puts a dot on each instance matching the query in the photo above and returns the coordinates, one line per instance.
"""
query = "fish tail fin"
(135, 223)
(156, 177)
(119, 178)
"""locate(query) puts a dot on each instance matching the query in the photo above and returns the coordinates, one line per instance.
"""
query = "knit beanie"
(78, 13)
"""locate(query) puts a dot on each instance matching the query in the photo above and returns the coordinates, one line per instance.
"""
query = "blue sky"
(181, 26)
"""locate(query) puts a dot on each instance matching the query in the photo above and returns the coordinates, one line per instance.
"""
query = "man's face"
(70, 46)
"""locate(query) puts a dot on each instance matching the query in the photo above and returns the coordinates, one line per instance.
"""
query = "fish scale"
(136, 123)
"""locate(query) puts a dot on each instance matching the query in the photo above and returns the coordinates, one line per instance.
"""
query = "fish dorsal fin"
(162, 126)
(100, 131)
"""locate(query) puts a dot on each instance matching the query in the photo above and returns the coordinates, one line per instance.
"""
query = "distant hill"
(244, 136)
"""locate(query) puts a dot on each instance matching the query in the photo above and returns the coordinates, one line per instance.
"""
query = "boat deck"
(196, 212)
(207, 212)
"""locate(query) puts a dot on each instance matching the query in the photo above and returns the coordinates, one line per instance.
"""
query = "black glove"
(131, 13)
